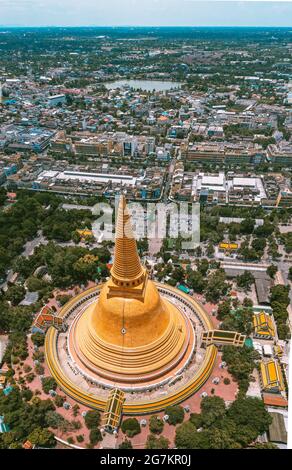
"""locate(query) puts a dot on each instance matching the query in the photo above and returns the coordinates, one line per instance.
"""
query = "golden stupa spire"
(127, 270)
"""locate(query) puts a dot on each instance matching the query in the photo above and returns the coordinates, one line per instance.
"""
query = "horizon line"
(141, 26)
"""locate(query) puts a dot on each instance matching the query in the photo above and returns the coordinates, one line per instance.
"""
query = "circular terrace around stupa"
(130, 333)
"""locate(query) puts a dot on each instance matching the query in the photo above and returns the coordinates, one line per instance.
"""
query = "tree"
(203, 266)
(251, 418)
(49, 383)
(279, 296)
(38, 339)
(220, 439)
(265, 230)
(245, 280)
(175, 414)
(131, 427)
(75, 409)
(34, 284)
(92, 419)
(249, 254)
(2, 196)
(210, 250)
(56, 420)
(178, 274)
(246, 226)
(216, 286)
(59, 400)
(196, 420)
(280, 293)
(126, 444)
(259, 244)
(15, 294)
(187, 437)
(63, 299)
(241, 363)
(156, 424)
(85, 267)
(223, 309)
(154, 442)
(212, 409)
(196, 281)
(271, 270)
(95, 436)
(27, 394)
(42, 438)
(247, 302)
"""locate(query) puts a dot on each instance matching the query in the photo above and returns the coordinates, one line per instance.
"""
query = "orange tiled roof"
(270, 399)
(27, 445)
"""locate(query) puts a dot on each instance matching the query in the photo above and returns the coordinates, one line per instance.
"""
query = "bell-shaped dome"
(131, 331)
(130, 322)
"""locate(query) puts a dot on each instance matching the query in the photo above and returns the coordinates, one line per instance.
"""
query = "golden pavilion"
(130, 334)
(263, 325)
(272, 377)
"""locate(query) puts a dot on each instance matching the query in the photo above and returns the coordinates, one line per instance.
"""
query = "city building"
(210, 188)
(55, 100)
(280, 154)
(222, 152)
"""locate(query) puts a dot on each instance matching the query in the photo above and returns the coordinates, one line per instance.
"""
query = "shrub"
(126, 444)
(79, 438)
(95, 436)
(156, 424)
(38, 339)
(38, 356)
(42, 437)
(27, 394)
(75, 410)
(154, 442)
(63, 299)
(70, 440)
(92, 419)
(55, 420)
(49, 383)
(39, 369)
(30, 377)
(59, 400)
(76, 424)
(131, 427)
(226, 381)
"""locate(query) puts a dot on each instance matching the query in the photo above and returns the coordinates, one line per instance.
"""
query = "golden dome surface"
(130, 333)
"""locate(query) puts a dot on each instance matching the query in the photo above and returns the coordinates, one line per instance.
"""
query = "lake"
(146, 85)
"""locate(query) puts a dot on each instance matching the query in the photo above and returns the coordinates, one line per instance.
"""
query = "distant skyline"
(145, 13)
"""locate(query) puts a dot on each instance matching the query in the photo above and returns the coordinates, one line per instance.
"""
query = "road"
(31, 245)
(28, 250)
(168, 181)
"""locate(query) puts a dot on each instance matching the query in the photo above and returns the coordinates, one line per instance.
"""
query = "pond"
(146, 85)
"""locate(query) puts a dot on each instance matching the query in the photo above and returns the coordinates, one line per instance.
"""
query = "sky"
(145, 13)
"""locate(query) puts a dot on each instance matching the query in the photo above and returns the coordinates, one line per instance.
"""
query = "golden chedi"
(130, 334)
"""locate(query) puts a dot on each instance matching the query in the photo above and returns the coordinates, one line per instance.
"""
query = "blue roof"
(248, 343)
(7, 390)
(183, 288)
(3, 427)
